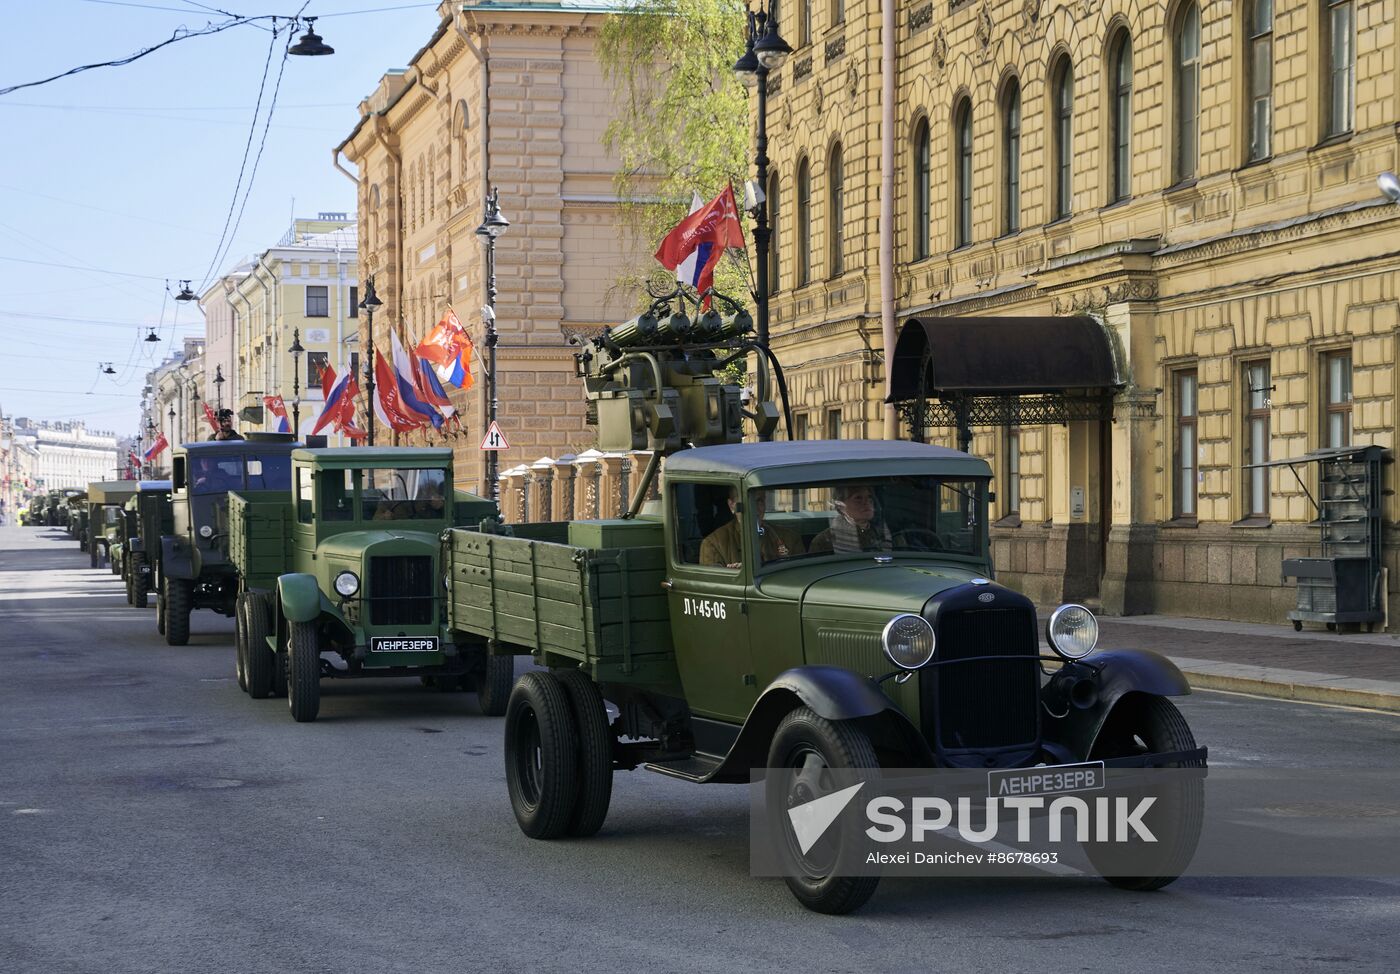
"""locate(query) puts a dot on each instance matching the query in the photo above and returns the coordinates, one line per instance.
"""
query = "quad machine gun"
(656, 382)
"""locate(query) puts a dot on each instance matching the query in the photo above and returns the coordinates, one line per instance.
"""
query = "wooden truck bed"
(259, 536)
(601, 608)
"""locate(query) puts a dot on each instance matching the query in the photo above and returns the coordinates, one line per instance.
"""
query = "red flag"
(388, 403)
(713, 228)
(449, 348)
(278, 408)
(157, 447)
(209, 415)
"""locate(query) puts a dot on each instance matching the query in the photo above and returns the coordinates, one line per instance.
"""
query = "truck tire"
(259, 661)
(178, 594)
(160, 608)
(494, 683)
(94, 556)
(595, 754)
(1175, 818)
(139, 589)
(126, 584)
(806, 748)
(304, 671)
(240, 641)
(541, 756)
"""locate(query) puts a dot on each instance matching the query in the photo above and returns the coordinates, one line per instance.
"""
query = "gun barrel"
(641, 330)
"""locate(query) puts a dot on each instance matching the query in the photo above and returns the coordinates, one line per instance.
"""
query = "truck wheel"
(1145, 724)
(304, 676)
(541, 756)
(139, 589)
(126, 584)
(178, 592)
(259, 661)
(240, 641)
(494, 683)
(805, 752)
(595, 753)
(160, 608)
(94, 557)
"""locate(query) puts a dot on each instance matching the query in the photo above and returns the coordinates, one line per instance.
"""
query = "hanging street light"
(296, 351)
(185, 293)
(310, 43)
(493, 224)
(369, 302)
(151, 336)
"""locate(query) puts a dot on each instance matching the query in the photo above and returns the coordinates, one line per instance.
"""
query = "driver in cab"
(427, 505)
(856, 527)
(724, 545)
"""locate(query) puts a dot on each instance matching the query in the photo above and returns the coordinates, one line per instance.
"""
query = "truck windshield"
(216, 475)
(404, 494)
(270, 473)
(916, 514)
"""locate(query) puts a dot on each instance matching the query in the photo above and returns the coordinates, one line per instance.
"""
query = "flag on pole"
(714, 227)
(339, 409)
(210, 418)
(688, 270)
(408, 387)
(388, 403)
(278, 408)
(448, 347)
(157, 448)
(133, 461)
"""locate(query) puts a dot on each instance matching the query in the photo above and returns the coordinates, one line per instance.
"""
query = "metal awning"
(1318, 456)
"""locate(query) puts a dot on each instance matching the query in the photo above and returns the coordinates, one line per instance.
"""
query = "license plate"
(1054, 779)
(403, 644)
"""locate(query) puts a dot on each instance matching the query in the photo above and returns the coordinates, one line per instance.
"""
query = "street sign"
(494, 438)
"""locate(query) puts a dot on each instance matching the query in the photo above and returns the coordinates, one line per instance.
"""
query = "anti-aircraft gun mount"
(655, 383)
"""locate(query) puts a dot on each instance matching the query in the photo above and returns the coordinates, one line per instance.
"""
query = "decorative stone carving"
(1029, 29)
(835, 48)
(920, 18)
(817, 97)
(1096, 299)
(852, 82)
(940, 50)
(785, 113)
(801, 68)
(984, 28)
(1087, 8)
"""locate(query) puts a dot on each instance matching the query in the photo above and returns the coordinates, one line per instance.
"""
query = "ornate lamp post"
(171, 414)
(219, 381)
(369, 302)
(296, 351)
(493, 224)
(150, 438)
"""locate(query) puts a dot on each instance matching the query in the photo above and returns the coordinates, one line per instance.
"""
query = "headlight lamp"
(1072, 631)
(205, 531)
(347, 584)
(908, 641)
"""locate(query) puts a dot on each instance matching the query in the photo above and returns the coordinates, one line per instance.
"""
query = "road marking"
(1301, 703)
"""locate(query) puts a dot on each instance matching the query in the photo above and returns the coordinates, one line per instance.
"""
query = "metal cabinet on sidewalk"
(1344, 584)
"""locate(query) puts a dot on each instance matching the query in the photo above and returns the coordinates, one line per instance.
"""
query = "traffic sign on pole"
(494, 438)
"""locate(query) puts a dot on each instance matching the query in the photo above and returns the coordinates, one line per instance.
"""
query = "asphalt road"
(154, 818)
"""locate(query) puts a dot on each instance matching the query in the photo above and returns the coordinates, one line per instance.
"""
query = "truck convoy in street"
(150, 517)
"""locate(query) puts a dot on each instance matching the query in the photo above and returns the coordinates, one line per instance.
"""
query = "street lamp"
(765, 51)
(296, 351)
(151, 437)
(369, 302)
(219, 381)
(493, 224)
(310, 43)
(185, 293)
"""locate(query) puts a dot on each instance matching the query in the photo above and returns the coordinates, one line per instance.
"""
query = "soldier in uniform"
(226, 430)
(856, 527)
(724, 545)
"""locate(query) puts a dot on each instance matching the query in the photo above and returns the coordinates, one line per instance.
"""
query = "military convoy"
(804, 607)
(150, 517)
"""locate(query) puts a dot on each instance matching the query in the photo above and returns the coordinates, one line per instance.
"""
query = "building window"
(804, 29)
(1339, 30)
(1337, 375)
(355, 363)
(962, 128)
(833, 424)
(354, 301)
(773, 225)
(1121, 118)
(1011, 491)
(1062, 129)
(1261, 79)
(923, 176)
(1184, 456)
(799, 426)
(1011, 156)
(317, 301)
(1256, 437)
(838, 11)
(1187, 85)
(804, 222)
(316, 365)
(836, 212)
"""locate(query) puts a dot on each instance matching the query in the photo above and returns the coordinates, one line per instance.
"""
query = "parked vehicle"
(106, 521)
(345, 564)
(150, 516)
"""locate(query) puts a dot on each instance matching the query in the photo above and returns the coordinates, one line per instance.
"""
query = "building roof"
(739, 459)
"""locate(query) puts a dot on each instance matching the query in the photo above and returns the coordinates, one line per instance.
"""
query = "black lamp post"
(151, 437)
(219, 381)
(296, 351)
(493, 224)
(171, 414)
(369, 302)
(765, 52)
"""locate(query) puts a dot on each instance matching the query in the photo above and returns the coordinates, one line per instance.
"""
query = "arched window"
(460, 123)
(1011, 155)
(962, 169)
(1062, 136)
(1339, 29)
(804, 222)
(1120, 117)
(774, 223)
(923, 176)
(1259, 65)
(1187, 90)
(836, 213)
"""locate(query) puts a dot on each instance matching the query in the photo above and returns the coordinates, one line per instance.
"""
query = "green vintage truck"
(195, 572)
(802, 607)
(106, 500)
(339, 577)
(150, 516)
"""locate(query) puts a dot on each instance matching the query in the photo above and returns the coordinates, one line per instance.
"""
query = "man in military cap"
(226, 430)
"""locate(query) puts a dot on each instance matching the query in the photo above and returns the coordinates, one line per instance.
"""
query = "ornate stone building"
(508, 96)
(1200, 175)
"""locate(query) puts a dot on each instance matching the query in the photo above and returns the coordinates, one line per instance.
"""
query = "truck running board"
(698, 767)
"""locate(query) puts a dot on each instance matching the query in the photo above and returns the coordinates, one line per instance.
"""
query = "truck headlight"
(205, 531)
(908, 641)
(1072, 631)
(347, 584)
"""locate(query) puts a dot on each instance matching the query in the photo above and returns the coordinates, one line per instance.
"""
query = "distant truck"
(195, 572)
(106, 500)
(340, 577)
(150, 516)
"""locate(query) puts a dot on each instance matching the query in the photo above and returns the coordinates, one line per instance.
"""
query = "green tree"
(682, 120)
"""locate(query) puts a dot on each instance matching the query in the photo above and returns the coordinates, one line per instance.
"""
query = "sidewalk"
(1354, 669)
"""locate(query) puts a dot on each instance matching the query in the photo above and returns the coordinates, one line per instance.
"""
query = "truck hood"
(896, 587)
(353, 544)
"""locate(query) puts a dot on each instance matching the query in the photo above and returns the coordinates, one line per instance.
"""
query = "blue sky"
(132, 170)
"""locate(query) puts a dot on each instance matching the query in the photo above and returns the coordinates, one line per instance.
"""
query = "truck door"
(708, 583)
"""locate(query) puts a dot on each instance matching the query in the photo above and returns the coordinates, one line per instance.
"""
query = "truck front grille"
(400, 590)
(971, 703)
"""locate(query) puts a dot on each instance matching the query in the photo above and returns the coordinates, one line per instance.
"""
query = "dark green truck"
(150, 516)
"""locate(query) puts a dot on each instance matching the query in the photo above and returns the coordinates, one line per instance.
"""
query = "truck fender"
(300, 597)
(1114, 673)
(832, 692)
(175, 558)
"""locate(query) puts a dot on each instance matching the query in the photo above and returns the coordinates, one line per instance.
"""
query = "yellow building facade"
(511, 97)
(1199, 176)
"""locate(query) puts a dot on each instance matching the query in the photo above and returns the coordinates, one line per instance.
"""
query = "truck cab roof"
(789, 461)
(358, 458)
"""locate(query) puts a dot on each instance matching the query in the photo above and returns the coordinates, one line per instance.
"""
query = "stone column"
(512, 486)
(542, 490)
(562, 496)
(587, 471)
(610, 484)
